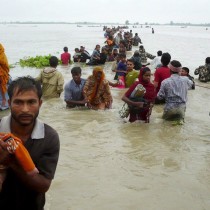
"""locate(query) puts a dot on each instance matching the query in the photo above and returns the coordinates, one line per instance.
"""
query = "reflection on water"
(106, 163)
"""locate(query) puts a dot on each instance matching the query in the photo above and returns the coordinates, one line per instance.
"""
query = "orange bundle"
(16, 147)
(4, 70)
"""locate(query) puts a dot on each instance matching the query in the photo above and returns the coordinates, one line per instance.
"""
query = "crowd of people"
(24, 96)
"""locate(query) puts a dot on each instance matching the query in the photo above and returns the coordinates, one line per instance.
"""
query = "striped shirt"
(174, 90)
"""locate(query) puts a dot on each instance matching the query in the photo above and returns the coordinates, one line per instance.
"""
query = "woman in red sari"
(141, 109)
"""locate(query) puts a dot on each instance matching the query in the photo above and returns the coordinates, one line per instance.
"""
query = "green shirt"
(131, 77)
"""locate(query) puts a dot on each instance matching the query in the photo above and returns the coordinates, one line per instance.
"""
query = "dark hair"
(176, 63)
(141, 46)
(130, 60)
(22, 84)
(76, 70)
(159, 53)
(53, 61)
(65, 49)
(122, 55)
(208, 60)
(186, 69)
(165, 59)
(145, 69)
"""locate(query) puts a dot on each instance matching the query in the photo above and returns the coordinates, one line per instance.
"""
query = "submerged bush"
(37, 62)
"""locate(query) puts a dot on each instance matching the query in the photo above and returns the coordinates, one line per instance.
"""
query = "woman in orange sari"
(4, 77)
(97, 90)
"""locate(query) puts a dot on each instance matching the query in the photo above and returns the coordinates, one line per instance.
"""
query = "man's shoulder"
(50, 132)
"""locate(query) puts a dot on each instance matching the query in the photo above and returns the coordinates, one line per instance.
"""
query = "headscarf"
(4, 70)
(150, 89)
(96, 83)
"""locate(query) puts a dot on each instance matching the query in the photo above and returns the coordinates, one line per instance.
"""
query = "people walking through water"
(51, 79)
(97, 91)
(174, 91)
(65, 56)
(140, 97)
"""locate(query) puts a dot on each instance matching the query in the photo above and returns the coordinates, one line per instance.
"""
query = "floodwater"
(106, 163)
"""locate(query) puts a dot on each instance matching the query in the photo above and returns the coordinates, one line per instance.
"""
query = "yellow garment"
(52, 82)
(4, 70)
(131, 78)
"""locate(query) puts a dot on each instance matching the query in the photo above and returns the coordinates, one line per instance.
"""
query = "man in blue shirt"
(73, 95)
(174, 91)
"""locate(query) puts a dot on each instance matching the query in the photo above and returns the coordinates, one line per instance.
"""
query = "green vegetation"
(37, 62)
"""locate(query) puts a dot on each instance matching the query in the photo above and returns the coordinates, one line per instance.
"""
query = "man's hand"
(4, 154)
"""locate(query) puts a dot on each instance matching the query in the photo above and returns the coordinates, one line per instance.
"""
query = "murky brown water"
(107, 164)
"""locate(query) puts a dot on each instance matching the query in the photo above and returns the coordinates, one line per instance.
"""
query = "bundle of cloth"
(15, 147)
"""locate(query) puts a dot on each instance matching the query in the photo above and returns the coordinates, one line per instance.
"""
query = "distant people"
(162, 73)
(52, 80)
(95, 57)
(77, 55)
(185, 72)
(103, 56)
(84, 55)
(113, 55)
(136, 40)
(144, 55)
(174, 91)
(97, 91)
(156, 62)
(121, 70)
(140, 100)
(66, 56)
(137, 60)
(153, 31)
(204, 71)
(73, 95)
(4, 79)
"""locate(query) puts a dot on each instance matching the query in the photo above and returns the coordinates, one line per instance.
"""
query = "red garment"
(65, 57)
(149, 96)
(161, 74)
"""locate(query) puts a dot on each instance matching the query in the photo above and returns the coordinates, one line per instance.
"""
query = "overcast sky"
(151, 11)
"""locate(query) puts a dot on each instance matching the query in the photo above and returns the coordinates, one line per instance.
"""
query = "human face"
(76, 78)
(183, 73)
(147, 76)
(130, 65)
(99, 74)
(24, 107)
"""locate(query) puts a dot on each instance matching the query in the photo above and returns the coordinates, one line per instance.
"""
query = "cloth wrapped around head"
(96, 82)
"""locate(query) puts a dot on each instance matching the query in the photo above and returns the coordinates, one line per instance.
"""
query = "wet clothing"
(136, 40)
(144, 55)
(43, 146)
(121, 66)
(174, 90)
(203, 72)
(73, 91)
(148, 97)
(161, 74)
(84, 56)
(65, 58)
(131, 77)
(95, 91)
(52, 82)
